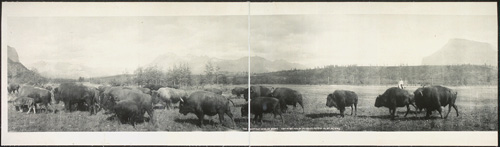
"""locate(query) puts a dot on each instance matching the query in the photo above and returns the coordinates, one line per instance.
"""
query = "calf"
(21, 102)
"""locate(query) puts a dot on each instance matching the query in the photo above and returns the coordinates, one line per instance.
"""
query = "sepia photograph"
(248, 73)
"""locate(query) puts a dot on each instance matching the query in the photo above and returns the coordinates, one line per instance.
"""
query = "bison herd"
(129, 104)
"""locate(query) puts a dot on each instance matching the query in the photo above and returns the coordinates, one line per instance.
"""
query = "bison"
(74, 93)
(169, 96)
(214, 90)
(341, 99)
(261, 105)
(433, 97)
(238, 91)
(288, 96)
(143, 102)
(203, 103)
(392, 98)
(128, 111)
(258, 91)
(13, 88)
(40, 95)
(22, 102)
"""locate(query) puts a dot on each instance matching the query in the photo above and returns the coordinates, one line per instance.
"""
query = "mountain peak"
(463, 51)
(12, 54)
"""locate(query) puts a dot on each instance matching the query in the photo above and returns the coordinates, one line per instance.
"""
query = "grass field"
(477, 106)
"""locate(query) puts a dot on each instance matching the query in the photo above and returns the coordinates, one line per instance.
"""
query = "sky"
(123, 43)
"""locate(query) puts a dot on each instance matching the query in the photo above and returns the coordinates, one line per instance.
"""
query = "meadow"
(477, 106)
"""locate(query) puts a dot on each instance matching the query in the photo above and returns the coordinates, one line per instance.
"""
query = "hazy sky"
(121, 43)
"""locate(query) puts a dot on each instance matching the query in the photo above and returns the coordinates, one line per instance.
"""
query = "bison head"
(184, 108)
(330, 102)
(380, 101)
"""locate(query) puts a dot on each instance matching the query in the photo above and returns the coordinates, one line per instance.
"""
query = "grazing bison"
(341, 99)
(203, 103)
(392, 98)
(288, 96)
(74, 93)
(40, 95)
(128, 111)
(258, 91)
(114, 95)
(169, 96)
(22, 102)
(238, 91)
(433, 97)
(214, 90)
(13, 88)
(261, 105)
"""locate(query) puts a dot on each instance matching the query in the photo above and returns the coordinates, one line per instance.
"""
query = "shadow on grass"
(398, 117)
(322, 115)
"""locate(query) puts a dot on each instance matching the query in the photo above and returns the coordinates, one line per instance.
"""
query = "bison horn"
(421, 93)
(182, 100)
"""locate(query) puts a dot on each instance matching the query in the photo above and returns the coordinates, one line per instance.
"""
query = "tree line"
(384, 75)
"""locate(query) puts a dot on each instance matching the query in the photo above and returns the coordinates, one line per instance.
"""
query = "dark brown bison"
(114, 94)
(169, 96)
(392, 98)
(13, 88)
(261, 105)
(214, 90)
(203, 103)
(288, 96)
(75, 93)
(40, 95)
(258, 91)
(21, 102)
(143, 102)
(433, 97)
(128, 111)
(238, 91)
(341, 99)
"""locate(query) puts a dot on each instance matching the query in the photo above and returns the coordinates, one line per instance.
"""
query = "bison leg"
(355, 109)
(200, 119)
(428, 114)
(342, 112)
(151, 115)
(393, 113)
(228, 113)
(407, 109)
(352, 109)
(440, 110)
(456, 110)
(302, 105)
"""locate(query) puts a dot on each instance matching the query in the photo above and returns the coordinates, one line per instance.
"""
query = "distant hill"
(462, 51)
(197, 63)
(65, 70)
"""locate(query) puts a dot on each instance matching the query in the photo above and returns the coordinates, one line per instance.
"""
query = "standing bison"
(114, 96)
(261, 105)
(433, 97)
(214, 90)
(203, 103)
(128, 111)
(238, 91)
(169, 95)
(341, 99)
(257, 91)
(392, 98)
(74, 93)
(288, 96)
(39, 95)
(13, 88)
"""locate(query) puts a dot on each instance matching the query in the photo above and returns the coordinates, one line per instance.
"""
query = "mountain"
(12, 54)
(17, 72)
(197, 63)
(65, 70)
(462, 51)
